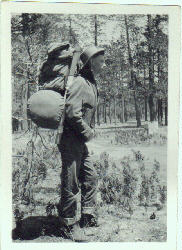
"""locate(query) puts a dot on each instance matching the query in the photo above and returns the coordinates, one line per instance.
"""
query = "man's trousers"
(77, 170)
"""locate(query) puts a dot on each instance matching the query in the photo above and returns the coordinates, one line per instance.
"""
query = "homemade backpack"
(55, 69)
(46, 106)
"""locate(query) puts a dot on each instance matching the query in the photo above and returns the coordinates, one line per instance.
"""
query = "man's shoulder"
(80, 82)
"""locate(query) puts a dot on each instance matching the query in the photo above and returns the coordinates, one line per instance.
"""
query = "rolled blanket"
(45, 108)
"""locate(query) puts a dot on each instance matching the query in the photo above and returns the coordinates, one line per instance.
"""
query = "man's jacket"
(80, 108)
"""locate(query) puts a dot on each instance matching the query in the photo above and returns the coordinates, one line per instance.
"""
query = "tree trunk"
(151, 107)
(24, 106)
(95, 37)
(160, 111)
(160, 108)
(95, 21)
(28, 50)
(109, 112)
(146, 108)
(153, 61)
(133, 80)
(138, 111)
(155, 109)
(166, 114)
(145, 98)
(98, 114)
(159, 69)
(70, 30)
(21, 125)
(125, 111)
(25, 97)
(151, 72)
(119, 114)
(115, 110)
(72, 38)
(105, 112)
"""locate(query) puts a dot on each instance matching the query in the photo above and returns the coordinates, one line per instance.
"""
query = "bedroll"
(45, 108)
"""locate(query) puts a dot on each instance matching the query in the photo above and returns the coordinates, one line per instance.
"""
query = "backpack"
(46, 107)
(54, 71)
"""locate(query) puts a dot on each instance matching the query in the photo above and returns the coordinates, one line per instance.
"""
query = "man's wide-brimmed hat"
(89, 53)
(53, 47)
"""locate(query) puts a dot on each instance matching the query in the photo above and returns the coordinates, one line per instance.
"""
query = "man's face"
(98, 63)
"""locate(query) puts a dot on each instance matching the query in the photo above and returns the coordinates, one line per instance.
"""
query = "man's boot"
(73, 232)
(88, 220)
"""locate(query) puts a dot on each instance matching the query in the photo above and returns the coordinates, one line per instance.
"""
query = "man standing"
(77, 165)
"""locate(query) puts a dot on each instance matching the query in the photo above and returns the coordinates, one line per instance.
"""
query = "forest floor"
(115, 225)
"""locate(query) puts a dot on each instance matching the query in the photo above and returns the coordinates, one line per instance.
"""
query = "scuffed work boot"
(74, 233)
(88, 220)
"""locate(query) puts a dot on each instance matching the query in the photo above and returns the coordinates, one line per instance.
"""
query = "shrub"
(129, 136)
(163, 193)
(29, 173)
(111, 188)
(102, 164)
(129, 184)
(138, 136)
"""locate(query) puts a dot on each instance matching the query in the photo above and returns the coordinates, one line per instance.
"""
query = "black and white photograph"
(90, 122)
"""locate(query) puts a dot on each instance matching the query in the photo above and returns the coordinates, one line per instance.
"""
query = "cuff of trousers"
(88, 210)
(68, 221)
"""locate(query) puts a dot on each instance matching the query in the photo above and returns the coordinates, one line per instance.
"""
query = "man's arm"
(73, 112)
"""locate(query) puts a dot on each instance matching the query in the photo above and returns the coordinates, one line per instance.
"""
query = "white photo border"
(7, 9)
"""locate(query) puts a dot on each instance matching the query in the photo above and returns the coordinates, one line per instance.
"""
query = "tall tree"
(151, 66)
(133, 76)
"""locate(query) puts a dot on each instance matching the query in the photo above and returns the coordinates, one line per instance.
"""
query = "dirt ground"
(114, 224)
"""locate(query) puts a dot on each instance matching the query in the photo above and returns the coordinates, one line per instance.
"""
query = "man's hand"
(92, 135)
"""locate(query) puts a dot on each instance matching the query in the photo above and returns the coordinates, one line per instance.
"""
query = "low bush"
(138, 136)
(129, 185)
(31, 167)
